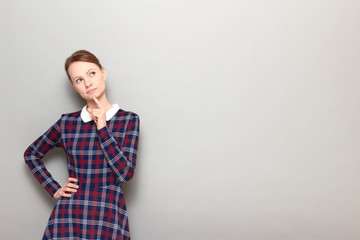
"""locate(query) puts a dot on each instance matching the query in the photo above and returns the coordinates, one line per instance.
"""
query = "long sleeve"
(36, 151)
(121, 156)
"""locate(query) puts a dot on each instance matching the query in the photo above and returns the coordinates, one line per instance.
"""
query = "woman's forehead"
(82, 67)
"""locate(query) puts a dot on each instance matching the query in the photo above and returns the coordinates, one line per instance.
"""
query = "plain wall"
(249, 112)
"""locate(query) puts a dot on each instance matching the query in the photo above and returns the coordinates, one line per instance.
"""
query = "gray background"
(249, 112)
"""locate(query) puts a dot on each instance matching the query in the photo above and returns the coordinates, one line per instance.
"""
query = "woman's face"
(87, 79)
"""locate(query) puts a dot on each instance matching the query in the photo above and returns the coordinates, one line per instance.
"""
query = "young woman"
(101, 143)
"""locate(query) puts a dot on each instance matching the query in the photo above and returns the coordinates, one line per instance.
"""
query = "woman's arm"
(36, 151)
(121, 157)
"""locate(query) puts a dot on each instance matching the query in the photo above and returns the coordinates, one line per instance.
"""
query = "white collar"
(86, 116)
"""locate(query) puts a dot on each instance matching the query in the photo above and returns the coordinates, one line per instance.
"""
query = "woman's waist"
(93, 184)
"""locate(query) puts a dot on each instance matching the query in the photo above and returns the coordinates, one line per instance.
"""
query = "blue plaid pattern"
(101, 160)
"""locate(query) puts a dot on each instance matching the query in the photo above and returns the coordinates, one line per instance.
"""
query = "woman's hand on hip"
(98, 114)
(67, 187)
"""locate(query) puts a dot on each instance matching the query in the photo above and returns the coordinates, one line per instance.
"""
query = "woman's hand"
(68, 187)
(98, 114)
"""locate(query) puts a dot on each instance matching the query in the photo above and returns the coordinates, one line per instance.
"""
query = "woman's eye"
(78, 80)
(92, 73)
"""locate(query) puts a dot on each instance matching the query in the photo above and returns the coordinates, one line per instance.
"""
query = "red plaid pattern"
(101, 160)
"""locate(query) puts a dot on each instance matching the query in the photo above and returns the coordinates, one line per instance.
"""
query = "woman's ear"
(104, 73)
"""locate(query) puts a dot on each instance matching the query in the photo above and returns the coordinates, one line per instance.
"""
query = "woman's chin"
(86, 97)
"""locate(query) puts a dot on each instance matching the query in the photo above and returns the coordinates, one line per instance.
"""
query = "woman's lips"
(91, 91)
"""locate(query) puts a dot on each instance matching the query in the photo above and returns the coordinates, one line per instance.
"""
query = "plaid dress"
(101, 160)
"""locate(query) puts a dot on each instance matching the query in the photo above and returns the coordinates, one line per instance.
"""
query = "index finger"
(97, 101)
(71, 179)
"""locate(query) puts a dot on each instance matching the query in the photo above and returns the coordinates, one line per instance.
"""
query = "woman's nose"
(87, 82)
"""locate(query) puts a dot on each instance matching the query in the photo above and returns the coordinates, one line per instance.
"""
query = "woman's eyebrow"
(76, 77)
(89, 70)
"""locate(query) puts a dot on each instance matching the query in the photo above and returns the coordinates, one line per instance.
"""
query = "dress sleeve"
(121, 156)
(35, 152)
